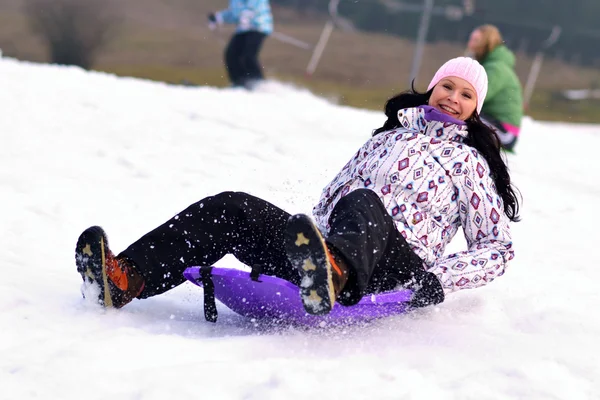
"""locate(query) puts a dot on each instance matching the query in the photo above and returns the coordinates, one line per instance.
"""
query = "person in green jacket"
(503, 108)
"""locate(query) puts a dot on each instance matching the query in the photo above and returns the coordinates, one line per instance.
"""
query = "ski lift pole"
(323, 39)
(421, 38)
(537, 64)
(282, 37)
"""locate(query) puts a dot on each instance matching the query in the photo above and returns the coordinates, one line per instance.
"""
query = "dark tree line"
(524, 24)
(75, 30)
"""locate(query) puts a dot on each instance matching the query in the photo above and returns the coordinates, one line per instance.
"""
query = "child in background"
(503, 108)
(254, 22)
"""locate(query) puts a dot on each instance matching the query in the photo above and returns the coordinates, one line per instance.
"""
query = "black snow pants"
(241, 58)
(507, 140)
(251, 229)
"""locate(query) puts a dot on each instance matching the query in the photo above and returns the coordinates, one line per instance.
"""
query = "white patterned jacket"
(431, 183)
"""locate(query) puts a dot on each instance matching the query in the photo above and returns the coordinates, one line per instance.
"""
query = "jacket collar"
(429, 121)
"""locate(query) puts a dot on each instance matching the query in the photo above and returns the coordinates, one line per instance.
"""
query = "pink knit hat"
(469, 70)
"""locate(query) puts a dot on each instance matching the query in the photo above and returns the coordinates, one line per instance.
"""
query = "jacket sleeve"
(486, 230)
(232, 14)
(344, 177)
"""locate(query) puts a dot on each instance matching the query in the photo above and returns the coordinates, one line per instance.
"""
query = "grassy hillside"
(169, 41)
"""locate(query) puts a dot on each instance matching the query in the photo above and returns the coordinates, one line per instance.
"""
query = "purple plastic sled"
(277, 299)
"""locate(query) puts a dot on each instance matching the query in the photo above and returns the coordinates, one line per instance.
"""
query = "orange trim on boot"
(117, 275)
(334, 265)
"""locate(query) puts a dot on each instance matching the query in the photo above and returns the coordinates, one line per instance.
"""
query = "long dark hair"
(480, 136)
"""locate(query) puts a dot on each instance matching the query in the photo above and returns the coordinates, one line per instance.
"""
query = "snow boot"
(323, 274)
(117, 278)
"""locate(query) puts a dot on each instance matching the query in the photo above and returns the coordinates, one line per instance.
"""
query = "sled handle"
(210, 306)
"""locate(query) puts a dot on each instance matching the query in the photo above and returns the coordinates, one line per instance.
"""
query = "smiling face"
(455, 97)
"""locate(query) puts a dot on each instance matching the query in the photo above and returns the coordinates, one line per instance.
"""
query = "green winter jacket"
(504, 100)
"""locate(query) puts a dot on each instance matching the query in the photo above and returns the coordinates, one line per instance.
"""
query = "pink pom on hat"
(469, 70)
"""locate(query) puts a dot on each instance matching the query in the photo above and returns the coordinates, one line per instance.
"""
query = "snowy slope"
(84, 148)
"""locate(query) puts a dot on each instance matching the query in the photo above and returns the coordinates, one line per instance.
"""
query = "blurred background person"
(503, 108)
(254, 22)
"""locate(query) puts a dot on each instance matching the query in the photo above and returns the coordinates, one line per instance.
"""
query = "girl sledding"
(382, 224)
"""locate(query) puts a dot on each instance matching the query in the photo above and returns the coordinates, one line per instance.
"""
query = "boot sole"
(90, 258)
(306, 251)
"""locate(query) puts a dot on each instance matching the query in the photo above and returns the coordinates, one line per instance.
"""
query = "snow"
(82, 148)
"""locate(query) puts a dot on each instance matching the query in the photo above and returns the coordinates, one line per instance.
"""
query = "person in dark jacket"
(503, 108)
(254, 22)
(383, 222)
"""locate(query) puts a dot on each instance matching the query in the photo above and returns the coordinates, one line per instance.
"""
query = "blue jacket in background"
(249, 15)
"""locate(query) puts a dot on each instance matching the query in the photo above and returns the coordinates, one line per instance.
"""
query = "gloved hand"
(428, 292)
(212, 21)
